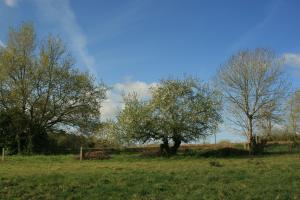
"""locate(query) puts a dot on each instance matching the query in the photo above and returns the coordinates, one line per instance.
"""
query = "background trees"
(178, 111)
(41, 91)
(253, 84)
(293, 108)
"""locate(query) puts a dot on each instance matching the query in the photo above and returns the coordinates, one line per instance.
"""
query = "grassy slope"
(130, 177)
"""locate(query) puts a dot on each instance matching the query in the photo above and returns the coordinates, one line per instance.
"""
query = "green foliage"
(179, 111)
(64, 143)
(41, 91)
(109, 136)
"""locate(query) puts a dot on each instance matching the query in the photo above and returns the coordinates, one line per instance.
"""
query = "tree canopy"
(41, 91)
(178, 111)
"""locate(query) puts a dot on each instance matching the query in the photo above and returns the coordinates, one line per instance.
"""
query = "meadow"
(130, 176)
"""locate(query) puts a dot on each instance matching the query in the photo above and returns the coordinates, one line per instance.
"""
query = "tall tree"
(294, 112)
(254, 84)
(270, 116)
(178, 111)
(40, 85)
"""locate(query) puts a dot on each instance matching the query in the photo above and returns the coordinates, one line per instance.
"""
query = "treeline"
(47, 105)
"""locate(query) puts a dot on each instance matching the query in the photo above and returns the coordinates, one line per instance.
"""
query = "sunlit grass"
(132, 177)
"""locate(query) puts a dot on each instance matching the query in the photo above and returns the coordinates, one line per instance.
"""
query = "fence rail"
(271, 147)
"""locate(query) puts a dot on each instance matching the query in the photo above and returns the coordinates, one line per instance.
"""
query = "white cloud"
(11, 3)
(114, 102)
(292, 59)
(2, 44)
(141, 88)
(60, 13)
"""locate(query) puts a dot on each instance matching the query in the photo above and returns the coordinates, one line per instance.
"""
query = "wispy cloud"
(2, 44)
(61, 14)
(120, 22)
(114, 102)
(292, 59)
(11, 3)
(252, 32)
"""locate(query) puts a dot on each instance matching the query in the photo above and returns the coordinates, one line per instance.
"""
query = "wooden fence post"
(81, 153)
(3, 154)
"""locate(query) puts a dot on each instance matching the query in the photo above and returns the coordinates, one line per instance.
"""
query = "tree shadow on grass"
(229, 152)
(225, 152)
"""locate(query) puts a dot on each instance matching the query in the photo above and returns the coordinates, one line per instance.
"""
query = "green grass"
(132, 177)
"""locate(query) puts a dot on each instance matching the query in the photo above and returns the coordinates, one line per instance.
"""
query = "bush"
(64, 143)
(259, 146)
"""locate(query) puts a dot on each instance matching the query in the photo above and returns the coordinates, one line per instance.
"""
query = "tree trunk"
(175, 146)
(250, 136)
(164, 147)
(269, 128)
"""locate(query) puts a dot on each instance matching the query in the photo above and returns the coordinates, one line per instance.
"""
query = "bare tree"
(252, 81)
(294, 112)
(270, 115)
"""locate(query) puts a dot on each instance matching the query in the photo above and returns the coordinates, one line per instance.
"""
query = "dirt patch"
(95, 155)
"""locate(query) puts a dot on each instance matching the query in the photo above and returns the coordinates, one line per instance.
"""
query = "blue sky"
(132, 44)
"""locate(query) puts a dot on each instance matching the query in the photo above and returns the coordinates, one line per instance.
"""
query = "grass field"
(132, 177)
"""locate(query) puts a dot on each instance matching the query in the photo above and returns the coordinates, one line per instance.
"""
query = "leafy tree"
(178, 111)
(39, 84)
(108, 135)
(254, 85)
